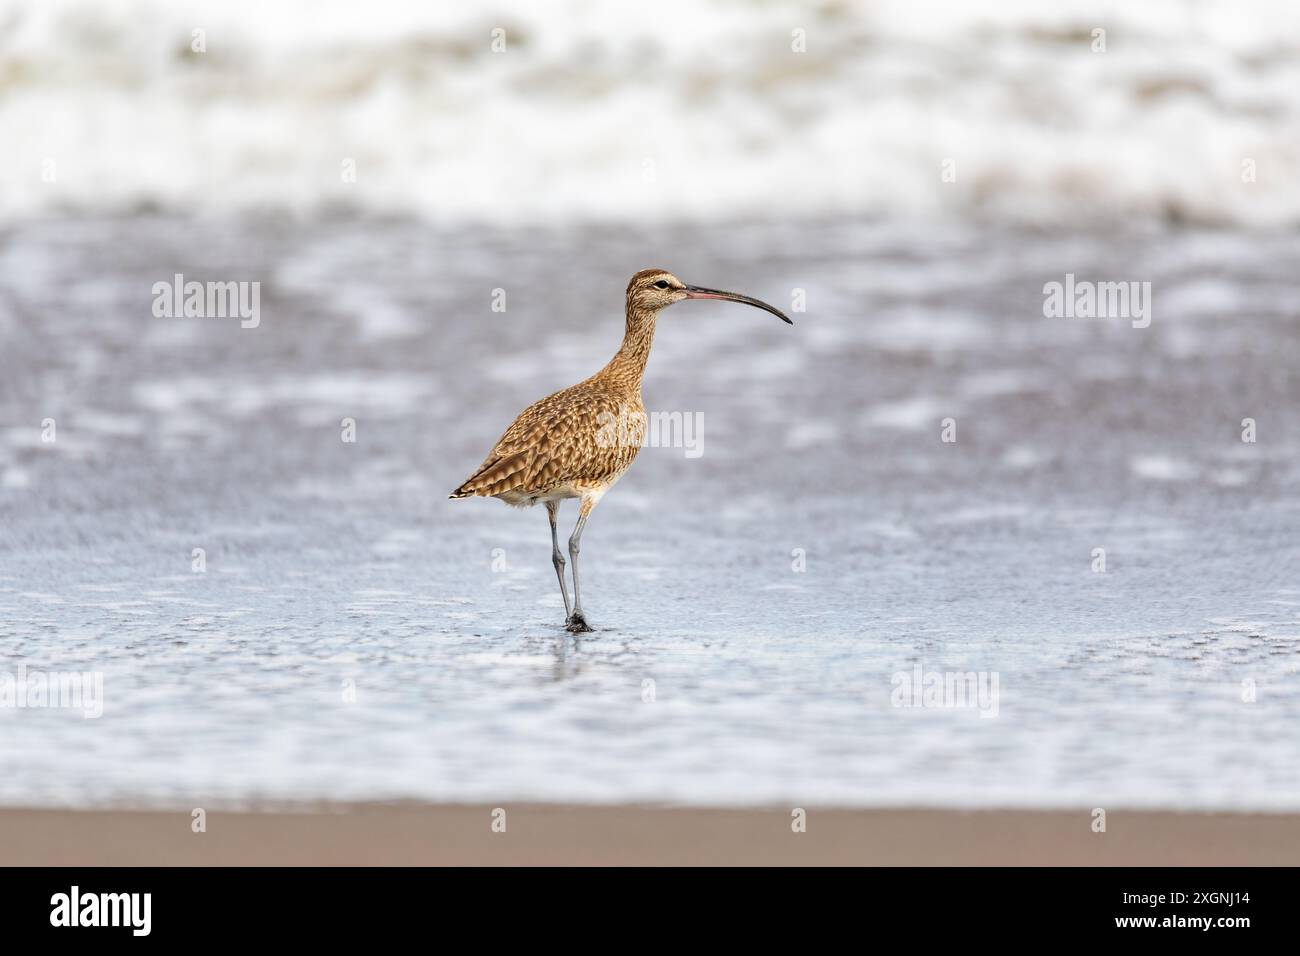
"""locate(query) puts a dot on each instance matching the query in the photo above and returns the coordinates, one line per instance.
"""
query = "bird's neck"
(628, 364)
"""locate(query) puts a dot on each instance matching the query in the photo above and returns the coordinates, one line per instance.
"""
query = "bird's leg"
(577, 620)
(557, 559)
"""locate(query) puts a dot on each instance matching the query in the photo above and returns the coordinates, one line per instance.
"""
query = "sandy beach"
(556, 835)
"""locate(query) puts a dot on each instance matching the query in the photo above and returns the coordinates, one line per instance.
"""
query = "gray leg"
(577, 621)
(557, 559)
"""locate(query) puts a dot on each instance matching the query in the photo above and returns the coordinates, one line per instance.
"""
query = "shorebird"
(579, 441)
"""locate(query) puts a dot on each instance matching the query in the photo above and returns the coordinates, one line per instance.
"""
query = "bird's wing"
(555, 440)
(519, 458)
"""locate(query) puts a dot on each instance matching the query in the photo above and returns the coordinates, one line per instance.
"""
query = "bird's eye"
(661, 284)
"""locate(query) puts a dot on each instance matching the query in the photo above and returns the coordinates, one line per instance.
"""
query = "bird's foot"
(577, 624)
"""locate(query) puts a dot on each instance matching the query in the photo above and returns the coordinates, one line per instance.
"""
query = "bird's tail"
(495, 476)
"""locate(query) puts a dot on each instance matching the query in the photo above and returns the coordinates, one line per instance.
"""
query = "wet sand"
(539, 834)
(282, 615)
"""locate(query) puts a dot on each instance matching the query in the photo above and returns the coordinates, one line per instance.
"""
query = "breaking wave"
(682, 110)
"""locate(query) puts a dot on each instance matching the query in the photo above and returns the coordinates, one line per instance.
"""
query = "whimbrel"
(579, 441)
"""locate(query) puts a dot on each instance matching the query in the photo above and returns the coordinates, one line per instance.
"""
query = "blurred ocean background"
(356, 635)
(690, 110)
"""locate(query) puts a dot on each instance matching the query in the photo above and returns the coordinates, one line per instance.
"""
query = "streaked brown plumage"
(579, 441)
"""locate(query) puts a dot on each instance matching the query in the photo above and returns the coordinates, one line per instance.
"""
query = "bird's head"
(653, 289)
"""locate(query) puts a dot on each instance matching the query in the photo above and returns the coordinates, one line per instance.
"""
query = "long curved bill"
(697, 292)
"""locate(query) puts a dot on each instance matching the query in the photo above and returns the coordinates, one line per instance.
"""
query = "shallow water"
(330, 562)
